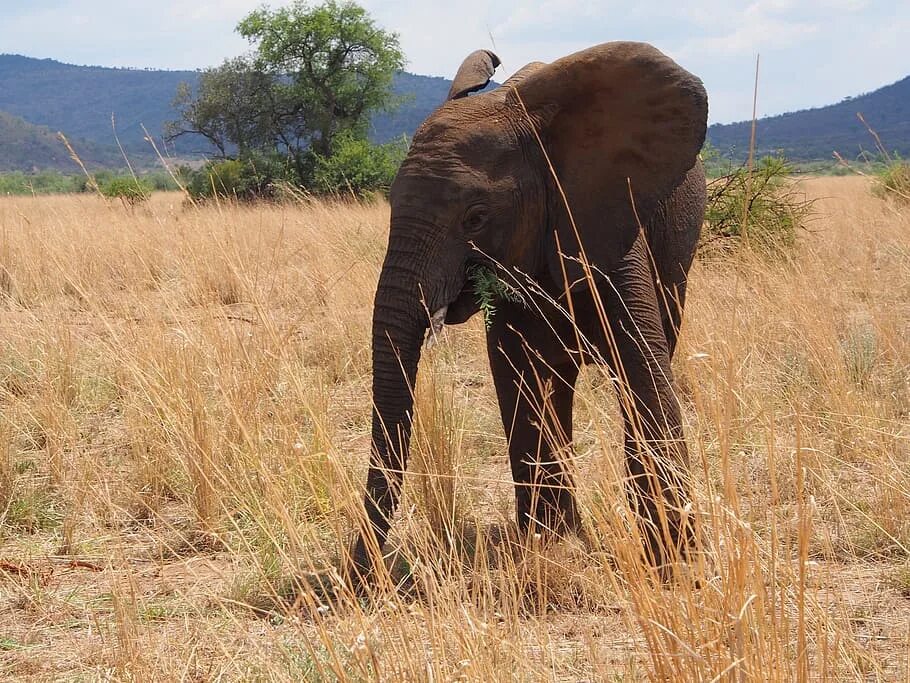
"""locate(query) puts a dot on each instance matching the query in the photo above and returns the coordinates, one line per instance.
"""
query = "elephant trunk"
(399, 325)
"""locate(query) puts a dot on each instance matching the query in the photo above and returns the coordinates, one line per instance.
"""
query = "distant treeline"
(54, 182)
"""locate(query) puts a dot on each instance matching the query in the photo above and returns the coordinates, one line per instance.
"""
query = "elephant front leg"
(535, 402)
(383, 491)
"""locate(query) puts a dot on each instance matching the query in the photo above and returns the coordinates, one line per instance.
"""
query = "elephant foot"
(698, 571)
(670, 545)
(359, 569)
(549, 516)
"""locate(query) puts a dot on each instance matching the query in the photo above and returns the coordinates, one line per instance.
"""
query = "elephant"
(580, 182)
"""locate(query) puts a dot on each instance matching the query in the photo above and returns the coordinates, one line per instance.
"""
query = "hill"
(815, 133)
(25, 147)
(420, 95)
(79, 101)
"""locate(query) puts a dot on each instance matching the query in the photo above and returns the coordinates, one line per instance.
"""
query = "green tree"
(315, 73)
(332, 62)
(232, 108)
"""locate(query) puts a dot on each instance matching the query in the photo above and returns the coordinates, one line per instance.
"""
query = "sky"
(813, 52)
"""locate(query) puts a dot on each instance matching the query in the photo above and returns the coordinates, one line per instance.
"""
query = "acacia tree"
(232, 109)
(315, 73)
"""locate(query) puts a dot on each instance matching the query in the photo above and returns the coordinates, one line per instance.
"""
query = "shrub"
(764, 207)
(161, 181)
(891, 177)
(221, 178)
(355, 166)
(893, 181)
(359, 167)
(129, 190)
(244, 179)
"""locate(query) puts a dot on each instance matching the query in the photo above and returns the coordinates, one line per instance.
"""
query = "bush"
(893, 181)
(244, 179)
(129, 190)
(358, 167)
(891, 174)
(767, 203)
(160, 181)
(221, 178)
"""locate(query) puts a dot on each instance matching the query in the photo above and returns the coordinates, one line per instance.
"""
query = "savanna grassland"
(184, 428)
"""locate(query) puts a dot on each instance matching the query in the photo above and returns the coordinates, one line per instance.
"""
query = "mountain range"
(814, 134)
(41, 96)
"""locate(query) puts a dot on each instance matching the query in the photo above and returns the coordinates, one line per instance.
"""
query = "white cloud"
(761, 34)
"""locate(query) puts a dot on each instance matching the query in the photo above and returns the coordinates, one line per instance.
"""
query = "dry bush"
(760, 207)
(184, 428)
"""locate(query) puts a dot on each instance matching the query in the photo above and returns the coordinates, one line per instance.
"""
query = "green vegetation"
(157, 181)
(111, 184)
(331, 61)
(358, 167)
(228, 108)
(300, 103)
(489, 289)
(893, 181)
(254, 177)
(46, 182)
(27, 147)
(129, 190)
(79, 100)
(761, 206)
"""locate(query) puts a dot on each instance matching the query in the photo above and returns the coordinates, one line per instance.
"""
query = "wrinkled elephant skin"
(579, 182)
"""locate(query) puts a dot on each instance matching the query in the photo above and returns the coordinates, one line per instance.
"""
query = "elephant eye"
(474, 219)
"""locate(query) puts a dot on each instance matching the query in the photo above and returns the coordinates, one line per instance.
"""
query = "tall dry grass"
(184, 426)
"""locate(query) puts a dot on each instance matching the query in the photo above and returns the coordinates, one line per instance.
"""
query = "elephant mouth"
(464, 306)
(459, 310)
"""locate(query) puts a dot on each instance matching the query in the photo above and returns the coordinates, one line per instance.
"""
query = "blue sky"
(813, 52)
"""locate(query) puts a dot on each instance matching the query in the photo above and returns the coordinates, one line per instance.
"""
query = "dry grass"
(184, 425)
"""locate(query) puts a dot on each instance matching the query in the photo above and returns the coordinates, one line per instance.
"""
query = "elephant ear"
(473, 74)
(619, 122)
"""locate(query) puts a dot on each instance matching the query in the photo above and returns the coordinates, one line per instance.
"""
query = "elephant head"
(550, 175)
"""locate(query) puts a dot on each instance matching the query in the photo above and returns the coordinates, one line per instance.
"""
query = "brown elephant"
(578, 181)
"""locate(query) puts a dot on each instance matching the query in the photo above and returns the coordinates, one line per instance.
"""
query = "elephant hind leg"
(671, 307)
(656, 455)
